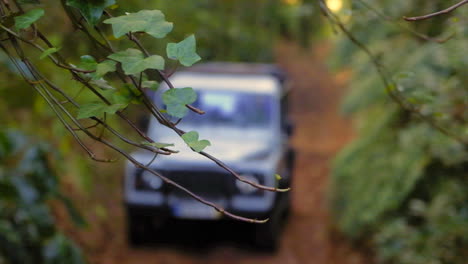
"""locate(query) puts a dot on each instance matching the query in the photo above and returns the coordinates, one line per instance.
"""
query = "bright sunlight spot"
(335, 5)
(291, 2)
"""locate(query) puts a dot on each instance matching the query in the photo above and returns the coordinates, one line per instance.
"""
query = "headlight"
(246, 188)
(150, 180)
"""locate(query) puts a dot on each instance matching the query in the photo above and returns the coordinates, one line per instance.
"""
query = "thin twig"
(442, 12)
(404, 27)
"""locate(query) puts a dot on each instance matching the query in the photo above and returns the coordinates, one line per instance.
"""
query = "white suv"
(247, 124)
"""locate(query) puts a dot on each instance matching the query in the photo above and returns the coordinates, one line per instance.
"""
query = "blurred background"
(373, 182)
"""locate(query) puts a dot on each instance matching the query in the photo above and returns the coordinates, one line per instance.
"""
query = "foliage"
(27, 185)
(184, 51)
(119, 74)
(236, 40)
(241, 30)
(149, 21)
(176, 100)
(400, 184)
(91, 10)
(134, 62)
(191, 138)
(25, 21)
(98, 109)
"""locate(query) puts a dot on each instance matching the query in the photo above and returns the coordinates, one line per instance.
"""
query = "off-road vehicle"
(247, 123)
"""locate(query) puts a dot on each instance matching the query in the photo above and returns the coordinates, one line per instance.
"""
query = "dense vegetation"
(237, 40)
(402, 183)
(28, 186)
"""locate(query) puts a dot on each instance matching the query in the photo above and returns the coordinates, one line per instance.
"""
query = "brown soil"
(320, 134)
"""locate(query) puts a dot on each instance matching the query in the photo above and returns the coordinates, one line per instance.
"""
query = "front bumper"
(165, 212)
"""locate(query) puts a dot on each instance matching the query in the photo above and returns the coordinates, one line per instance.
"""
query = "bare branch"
(404, 27)
(442, 12)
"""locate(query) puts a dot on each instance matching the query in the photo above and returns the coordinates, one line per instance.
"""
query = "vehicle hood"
(229, 145)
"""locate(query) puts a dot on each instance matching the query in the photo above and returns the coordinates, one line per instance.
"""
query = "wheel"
(267, 235)
(137, 228)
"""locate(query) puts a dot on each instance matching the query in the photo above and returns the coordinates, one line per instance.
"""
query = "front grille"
(203, 183)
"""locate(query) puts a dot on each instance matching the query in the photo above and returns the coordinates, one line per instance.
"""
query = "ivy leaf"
(112, 109)
(90, 110)
(158, 145)
(97, 109)
(153, 85)
(88, 63)
(191, 138)
(103, 68)
(27, 19)
(47, 52)
(91, 10)
(176, 99)
(103, 84)
(133, 61)
(126, 95)
(184, 51)
(152, 22)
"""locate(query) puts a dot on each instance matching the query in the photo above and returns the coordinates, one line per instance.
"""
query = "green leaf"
(103, 68)
(133, 61)
(97, 109)
(91, 10)
(152, 22)
(184, 51)
(126, 95)
(153, 85)
(112, 109)
(278, 177)
(176, 99)
(103, 84)
(47, 52)
(27, 19)
(158, 145)
(88, 63)
(90, 110)
(191, 138)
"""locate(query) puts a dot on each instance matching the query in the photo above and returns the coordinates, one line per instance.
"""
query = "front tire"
(137, 228)
(267, 235)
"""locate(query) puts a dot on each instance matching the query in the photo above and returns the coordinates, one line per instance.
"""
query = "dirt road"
(320, 133)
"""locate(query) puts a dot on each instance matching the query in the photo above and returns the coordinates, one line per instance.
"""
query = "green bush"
(402, 183)
(27, 186)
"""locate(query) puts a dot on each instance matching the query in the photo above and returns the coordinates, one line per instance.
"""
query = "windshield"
(233, 109)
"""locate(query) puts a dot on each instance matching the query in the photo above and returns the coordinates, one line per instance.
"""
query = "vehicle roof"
(239, 82)
(240, 68)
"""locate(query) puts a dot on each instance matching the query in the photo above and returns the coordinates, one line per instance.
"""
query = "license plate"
(194, 210)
